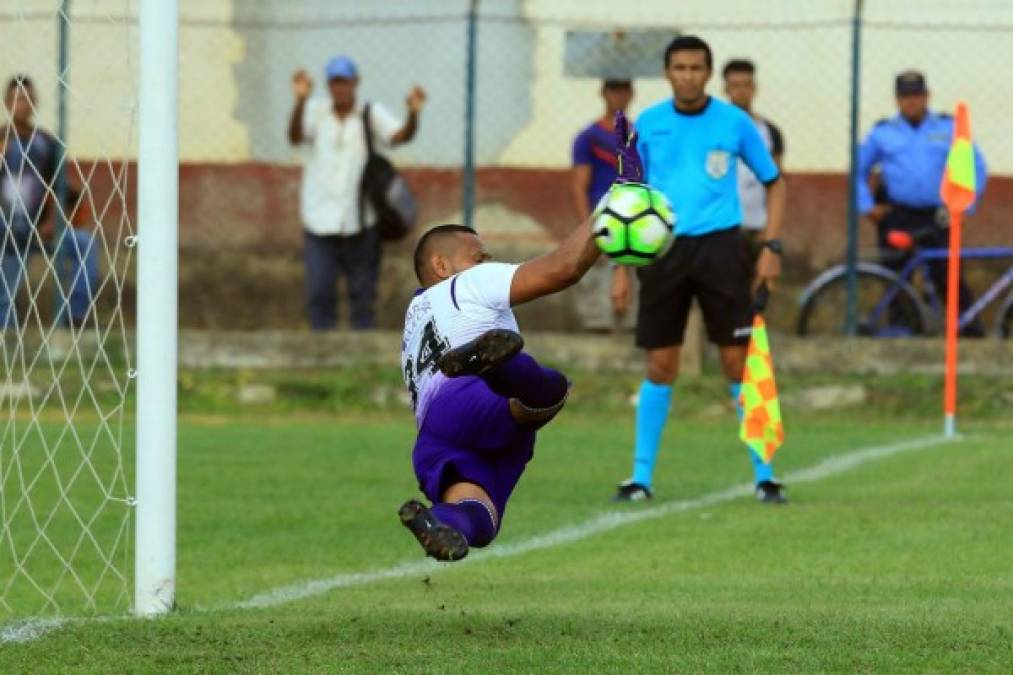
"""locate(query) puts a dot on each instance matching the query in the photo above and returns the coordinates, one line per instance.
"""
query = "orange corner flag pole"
(957, 191)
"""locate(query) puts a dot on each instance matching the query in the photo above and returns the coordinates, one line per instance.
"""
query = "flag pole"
(958, 191)
(952, 320)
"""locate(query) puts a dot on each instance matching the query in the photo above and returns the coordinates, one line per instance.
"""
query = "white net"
(67, 134)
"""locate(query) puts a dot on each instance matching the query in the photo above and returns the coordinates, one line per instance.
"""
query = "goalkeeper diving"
(479, 398)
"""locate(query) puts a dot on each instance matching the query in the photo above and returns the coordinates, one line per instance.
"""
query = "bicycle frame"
(920, 262)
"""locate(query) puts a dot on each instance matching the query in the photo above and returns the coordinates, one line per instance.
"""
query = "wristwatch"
(774, 245)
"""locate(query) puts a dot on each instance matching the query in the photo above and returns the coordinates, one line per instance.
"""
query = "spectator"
(28, 175)
(910, 150)
(594, 166)
(339, 237)
(740, 87)
(690, 145)
(594, 155)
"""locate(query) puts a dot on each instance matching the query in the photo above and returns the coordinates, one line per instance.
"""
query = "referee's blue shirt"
(912, 159)
(692, 158)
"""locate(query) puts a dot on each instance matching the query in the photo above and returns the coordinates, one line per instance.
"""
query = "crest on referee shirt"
(717, 163)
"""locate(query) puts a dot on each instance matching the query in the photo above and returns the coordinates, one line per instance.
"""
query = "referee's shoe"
(628, 491)
(771, 492)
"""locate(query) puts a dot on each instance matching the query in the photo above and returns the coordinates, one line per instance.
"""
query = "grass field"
(901, 563)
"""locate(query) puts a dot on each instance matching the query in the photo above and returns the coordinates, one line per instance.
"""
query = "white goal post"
(157, 310)
(88, 462)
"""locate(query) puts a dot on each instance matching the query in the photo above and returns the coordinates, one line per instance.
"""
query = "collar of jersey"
(693, 113)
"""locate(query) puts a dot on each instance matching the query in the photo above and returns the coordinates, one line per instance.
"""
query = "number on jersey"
(432, 346)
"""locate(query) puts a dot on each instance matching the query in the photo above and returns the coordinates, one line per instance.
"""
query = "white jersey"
(334, 153)
(752, 193)
(447, 315)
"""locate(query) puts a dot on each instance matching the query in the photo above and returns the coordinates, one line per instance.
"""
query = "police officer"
(910, 149)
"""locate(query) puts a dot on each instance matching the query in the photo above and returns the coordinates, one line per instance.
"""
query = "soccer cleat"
(489, 349)
(632, 492)
(770, 492)
(438, 540)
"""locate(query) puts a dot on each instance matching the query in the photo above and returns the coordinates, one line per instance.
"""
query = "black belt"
(912, 210)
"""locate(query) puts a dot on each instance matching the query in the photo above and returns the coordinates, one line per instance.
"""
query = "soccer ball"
(633, 224)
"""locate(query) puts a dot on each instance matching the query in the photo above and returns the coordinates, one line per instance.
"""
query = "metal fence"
(517, 80)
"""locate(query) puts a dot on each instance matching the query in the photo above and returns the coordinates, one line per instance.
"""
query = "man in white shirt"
(478, 398)
(740, 87)
(338, 238)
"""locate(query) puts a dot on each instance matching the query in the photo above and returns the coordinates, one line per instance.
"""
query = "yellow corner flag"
(762, 429)
(959, 184)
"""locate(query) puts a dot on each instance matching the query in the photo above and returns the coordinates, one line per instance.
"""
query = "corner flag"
(957, 191)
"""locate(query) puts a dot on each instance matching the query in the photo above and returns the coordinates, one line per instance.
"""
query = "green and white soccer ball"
(634, 224)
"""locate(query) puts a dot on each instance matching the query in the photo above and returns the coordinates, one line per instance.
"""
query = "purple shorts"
(469, 435)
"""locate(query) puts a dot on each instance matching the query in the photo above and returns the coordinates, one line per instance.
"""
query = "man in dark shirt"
(29, 164)
(594, 158)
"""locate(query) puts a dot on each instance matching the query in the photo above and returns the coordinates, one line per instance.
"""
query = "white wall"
(103, 74)
(237, 56)
(803, 52)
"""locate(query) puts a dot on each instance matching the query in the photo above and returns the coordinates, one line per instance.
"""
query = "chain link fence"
(538, 67)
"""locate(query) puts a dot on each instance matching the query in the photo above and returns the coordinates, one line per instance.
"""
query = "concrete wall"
(102, 75)
(803, 54)
(237, 57)
(241, 239)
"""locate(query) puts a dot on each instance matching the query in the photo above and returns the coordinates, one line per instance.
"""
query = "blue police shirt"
(693, 159)
(912, 160)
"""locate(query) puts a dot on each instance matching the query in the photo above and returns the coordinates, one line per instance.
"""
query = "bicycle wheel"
(824, 304)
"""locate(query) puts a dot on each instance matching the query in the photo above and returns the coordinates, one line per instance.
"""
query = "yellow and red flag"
(958, 189)
(762, 429)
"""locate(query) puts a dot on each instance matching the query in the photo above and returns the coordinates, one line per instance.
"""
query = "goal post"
(68, 245)
(157, 310)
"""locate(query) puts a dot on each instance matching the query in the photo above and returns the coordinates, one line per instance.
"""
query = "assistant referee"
(690, 145)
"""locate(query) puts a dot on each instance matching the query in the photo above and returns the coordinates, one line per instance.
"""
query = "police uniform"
(912, 160)
(693, 158)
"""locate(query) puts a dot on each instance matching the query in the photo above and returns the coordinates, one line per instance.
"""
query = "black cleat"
(489, 349)
(769, 492)
(632, 492)
(438, 540)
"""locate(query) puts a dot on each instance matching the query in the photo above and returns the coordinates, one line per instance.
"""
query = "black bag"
(385, 190)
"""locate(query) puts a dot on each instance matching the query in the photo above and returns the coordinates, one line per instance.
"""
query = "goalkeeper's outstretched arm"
(566, 265)
(558, 269)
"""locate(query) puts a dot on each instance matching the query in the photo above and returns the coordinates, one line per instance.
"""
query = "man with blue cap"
(338, 238)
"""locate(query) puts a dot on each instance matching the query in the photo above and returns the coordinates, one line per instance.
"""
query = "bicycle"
(889, 303)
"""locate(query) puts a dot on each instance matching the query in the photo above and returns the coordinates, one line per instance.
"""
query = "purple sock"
(470, 517)
(521, 377)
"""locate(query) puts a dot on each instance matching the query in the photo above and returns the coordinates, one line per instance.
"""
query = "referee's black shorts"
(713, 268)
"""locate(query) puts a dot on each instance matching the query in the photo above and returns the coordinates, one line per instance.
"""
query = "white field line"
(35, 628)
(596, 525)
(28, 630)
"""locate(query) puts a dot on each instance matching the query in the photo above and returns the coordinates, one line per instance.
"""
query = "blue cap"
(343, 67)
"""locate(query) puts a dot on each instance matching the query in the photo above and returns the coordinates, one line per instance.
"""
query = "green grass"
(902, 564)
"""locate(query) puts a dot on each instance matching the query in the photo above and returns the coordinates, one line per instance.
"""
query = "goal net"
(67, 135)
